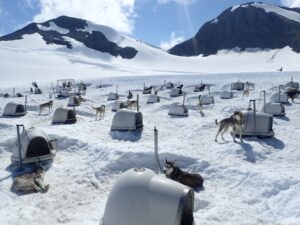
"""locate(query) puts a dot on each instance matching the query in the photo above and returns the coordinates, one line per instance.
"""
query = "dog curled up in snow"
(28, 183)
(188, 179)
(237, 119)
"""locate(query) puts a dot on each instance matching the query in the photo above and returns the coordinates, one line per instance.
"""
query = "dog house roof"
(125, 119)
(226, 95)
(112, 96)
(175, 92)
(274, 108)
(153, 200)
(35, 146)
(153, 99)
(14, 109)
(283, 98)
(73, 101)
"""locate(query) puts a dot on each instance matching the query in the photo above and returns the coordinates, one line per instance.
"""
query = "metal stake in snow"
(264, 92)
(25, 103)
(254, 115)
(156, 157)
(19, 142)
(137, 103)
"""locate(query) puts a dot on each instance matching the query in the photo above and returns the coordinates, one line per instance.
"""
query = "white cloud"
(31, 3)
(183, 2)
(118, 14)
(174, 40)
(291, 3)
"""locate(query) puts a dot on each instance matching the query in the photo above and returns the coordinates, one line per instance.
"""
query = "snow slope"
(31, 58)
(250, 183)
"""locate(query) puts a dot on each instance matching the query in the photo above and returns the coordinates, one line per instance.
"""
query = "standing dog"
(237, 119)
(46, 105)
(131, 104)
(176, 174)
(100, 110)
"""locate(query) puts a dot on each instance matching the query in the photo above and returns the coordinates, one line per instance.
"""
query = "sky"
(162, 23)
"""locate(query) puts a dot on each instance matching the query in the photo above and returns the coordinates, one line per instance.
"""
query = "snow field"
(255, 182)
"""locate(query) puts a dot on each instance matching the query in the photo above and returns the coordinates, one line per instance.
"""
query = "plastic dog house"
(207, 99)
(14, 109)
(237, 86)
(35, 146)
(73, 101)
(175, 92)
(177, 109)
(140, 197)
(226, 95)
(112, 96)
(64, 116)
(153, 99)
(282, 98)
(274, 108)
(118, 105)
(257, 124)
(126, 120)
(169, 85)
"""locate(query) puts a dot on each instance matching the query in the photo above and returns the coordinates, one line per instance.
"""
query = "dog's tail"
(216, 121)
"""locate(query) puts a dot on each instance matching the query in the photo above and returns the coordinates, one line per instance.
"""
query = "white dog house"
(175, 92)
(169, 85)
(35, 146)
(207, 99)
(64, 116)
(112, 96)
(199, 88)
(14, 109)
(292, 84)
(73, 101)
(118, 105)
(272, 108)
(153, 99)
(257, 124)
(126, 120)
(237, 86)
(140, 197)
(177, 109)
(282, 98)
(226, 95)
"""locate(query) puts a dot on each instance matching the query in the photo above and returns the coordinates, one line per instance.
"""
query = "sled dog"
(176, 174)
(46, 105)
(100, 110)
(237, 119)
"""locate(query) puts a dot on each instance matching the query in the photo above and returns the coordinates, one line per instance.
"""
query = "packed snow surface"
(254, 182)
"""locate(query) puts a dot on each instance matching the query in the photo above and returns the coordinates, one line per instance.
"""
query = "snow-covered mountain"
(246, 27)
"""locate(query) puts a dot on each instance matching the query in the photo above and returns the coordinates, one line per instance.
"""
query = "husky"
(292, 93)
(100, 110)
(237, 119)
(129, 96)
(46, 105)
(29, 183)
(246, 92)
(176, 174)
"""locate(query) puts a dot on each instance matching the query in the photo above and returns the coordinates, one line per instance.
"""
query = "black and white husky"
(176, 174)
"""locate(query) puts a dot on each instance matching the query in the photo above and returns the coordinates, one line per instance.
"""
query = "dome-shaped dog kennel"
(177, 109)
(237, 86)
(153, 99)
(64, 116)
(226, 95)
(118, 105)
(125, 119)
(112, 96)
(207, 99)
(140, 197)
(274, 108)
(175, 92)
(256, 124)
(73, 101)
(35, 146)
(14, 109)
(292, 84)
(283, 98)
(169, 85)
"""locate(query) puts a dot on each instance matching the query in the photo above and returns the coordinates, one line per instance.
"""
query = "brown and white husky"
(100, 110)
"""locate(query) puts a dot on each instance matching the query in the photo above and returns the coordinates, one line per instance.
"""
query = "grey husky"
(46, 105)
(237, 119)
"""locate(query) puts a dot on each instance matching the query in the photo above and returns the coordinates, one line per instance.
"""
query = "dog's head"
(238, 117)
(169, 167)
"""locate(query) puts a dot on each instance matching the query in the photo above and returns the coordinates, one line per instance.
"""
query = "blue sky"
(157, 22)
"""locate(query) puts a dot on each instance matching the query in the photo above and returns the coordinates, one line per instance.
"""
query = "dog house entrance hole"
(38, 146)
(187, 212)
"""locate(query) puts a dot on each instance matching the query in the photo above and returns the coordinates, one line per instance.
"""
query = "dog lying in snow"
(188, 179)
(29, 183)
(237, 119)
